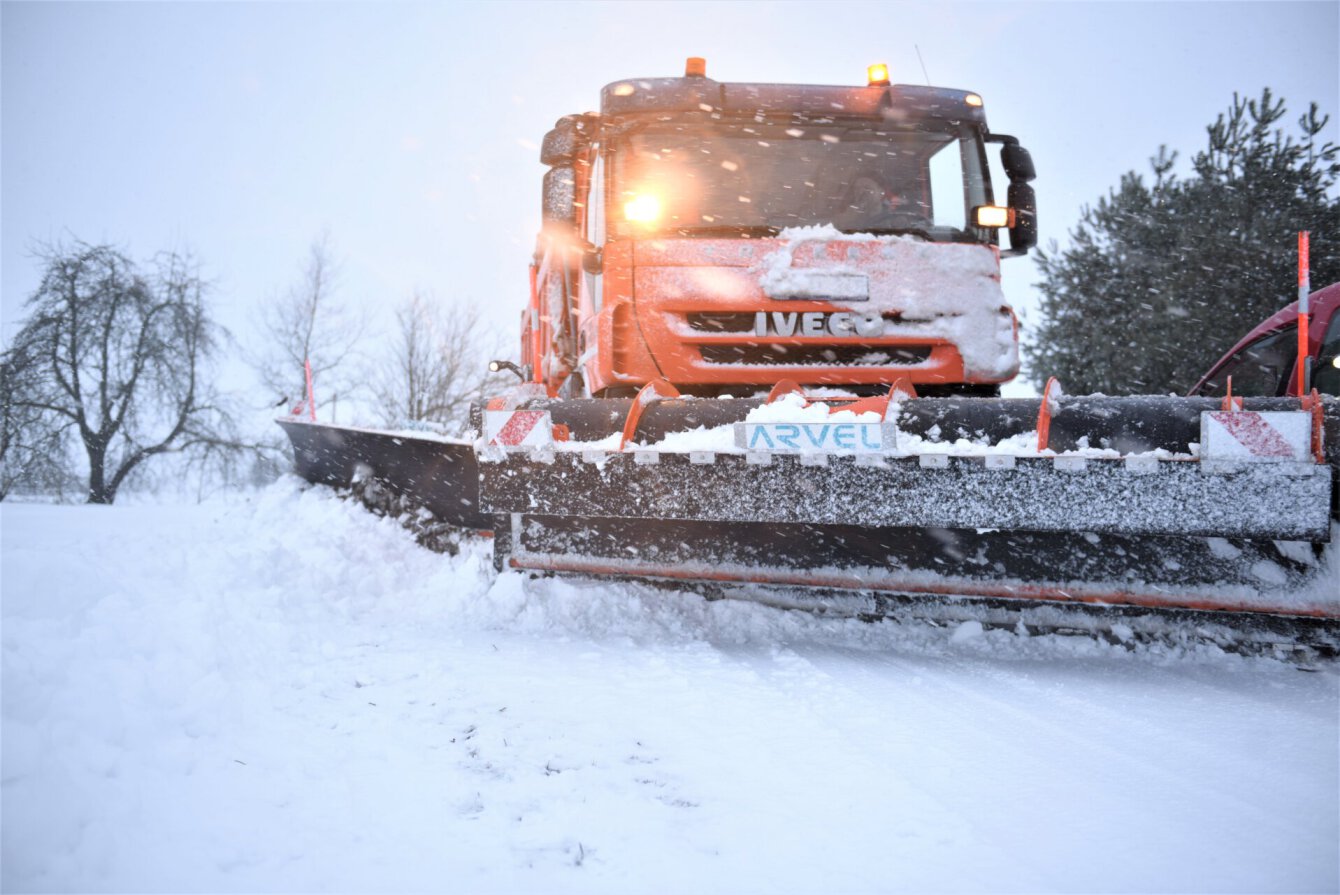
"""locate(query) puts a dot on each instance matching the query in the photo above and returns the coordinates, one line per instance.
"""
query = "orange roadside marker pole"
(1304, 358)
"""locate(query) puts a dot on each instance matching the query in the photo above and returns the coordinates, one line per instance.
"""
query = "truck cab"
(724, 237)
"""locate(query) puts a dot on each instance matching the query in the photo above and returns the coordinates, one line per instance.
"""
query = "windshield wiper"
(728, 230)
(906, 231)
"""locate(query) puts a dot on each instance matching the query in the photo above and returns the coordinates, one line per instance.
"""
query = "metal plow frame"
(1063, 567)
(1299, 635)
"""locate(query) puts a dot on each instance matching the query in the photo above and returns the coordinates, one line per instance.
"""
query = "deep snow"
(282, 692)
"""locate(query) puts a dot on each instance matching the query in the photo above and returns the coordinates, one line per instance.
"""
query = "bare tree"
(437, 365)
(118, 358)
(34, 443)
(309, 324)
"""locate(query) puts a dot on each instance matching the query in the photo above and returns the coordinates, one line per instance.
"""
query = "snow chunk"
(967, 631)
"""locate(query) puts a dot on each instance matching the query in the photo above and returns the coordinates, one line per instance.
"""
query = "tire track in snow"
(1156, 786)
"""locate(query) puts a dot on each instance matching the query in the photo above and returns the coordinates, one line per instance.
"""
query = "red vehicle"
(1264, 362)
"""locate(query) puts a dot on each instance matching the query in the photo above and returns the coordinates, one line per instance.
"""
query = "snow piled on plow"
(284, 693)
(810, 408)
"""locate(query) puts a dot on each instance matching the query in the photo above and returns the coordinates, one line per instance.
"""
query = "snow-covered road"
(283, 693)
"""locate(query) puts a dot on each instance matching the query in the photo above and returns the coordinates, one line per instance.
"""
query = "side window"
(947, 188)
(1326, 374)
(1261, 369)
(595, 212)
(595, 226)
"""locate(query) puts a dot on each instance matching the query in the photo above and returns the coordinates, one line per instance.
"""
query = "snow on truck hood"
(948, 291)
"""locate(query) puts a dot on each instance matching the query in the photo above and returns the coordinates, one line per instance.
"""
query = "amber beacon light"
(877, 75)
(695, 67)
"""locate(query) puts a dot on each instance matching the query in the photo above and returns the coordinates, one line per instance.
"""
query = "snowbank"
(284, 693)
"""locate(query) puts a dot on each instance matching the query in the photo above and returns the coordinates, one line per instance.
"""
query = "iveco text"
(818, 323)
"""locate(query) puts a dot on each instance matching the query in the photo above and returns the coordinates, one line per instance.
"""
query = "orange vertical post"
(1304, 358)
(311, 402)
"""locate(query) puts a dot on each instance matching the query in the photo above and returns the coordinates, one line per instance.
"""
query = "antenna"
(923, 64)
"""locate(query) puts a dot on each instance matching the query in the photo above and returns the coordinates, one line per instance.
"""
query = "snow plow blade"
(1143, 522)
(437, 474)
(1102, 496)
(1146, 519)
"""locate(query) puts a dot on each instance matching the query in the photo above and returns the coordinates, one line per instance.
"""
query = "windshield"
(702, 178)
(1260, 369)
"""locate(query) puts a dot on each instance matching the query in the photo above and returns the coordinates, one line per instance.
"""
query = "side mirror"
(1024, 233)
(565, 142)
(593, 260)
(559, 202)
(1018, 163)
(497, 366)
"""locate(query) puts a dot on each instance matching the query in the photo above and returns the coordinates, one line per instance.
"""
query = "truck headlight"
(643, 209)
(993, 216)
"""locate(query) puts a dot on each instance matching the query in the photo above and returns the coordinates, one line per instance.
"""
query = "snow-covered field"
(283, 693)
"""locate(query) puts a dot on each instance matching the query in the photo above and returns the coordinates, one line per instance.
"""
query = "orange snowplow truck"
(725, 237)
(829, 257)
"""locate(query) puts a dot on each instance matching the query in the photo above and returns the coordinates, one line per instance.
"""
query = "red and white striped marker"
(1255, 435)
(518, 428)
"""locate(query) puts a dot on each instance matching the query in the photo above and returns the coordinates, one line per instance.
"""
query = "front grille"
(721, 322)
(738, 322)
(814, 355)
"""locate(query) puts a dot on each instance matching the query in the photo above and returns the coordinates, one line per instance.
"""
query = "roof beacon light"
(877, 74)
(973, 99)
(695, 67)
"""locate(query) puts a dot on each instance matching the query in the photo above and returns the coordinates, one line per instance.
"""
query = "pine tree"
(1162, 278)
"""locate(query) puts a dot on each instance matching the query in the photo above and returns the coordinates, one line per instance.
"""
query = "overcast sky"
(409, 132)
